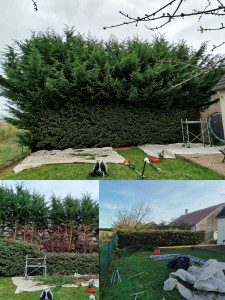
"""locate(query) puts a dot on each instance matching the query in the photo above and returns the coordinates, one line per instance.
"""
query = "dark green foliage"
(12, 256)
(64, 263)
(12, 260)
(109, 125)
(67, 225)
(161, 238)
(78, 91)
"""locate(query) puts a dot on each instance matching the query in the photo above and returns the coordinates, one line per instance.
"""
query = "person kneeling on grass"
(46, 295)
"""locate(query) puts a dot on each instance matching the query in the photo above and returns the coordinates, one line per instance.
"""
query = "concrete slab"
(171, 150)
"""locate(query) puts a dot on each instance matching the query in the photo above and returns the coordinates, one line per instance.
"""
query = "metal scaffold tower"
(38, 264)
(189, 137)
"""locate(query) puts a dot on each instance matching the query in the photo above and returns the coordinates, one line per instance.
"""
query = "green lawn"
(7, 292)
(152, 280)
(172, 169)
(9, 149)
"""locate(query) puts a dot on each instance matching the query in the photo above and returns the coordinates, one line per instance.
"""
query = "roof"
(221, 214)
(196, 216)
(220, 85)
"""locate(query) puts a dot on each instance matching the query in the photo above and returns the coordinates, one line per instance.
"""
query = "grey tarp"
(209, 277)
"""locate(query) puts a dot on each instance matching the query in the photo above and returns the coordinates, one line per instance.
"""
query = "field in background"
(105, 237)
(8, 131)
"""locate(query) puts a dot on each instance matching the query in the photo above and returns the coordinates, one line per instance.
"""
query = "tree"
(56, 84)
(130, 218)
(181, 225)
(173, 10)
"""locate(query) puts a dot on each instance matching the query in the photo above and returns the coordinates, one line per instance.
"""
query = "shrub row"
(159, 238)
(12, 260)
(107, 124)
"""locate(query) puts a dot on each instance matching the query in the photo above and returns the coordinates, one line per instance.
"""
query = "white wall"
(221, 231)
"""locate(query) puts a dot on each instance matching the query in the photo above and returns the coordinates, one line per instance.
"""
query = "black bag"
(172, 264)
(100, 169)
(46, 295)
(179, 262)
(183, 263)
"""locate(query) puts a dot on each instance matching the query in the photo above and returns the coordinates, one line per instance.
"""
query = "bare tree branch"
(136, 215)
(35, 5)
(214, 10)
(211, 66)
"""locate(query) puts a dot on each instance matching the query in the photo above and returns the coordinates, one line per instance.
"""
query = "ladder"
(38, 264)
(189, 137)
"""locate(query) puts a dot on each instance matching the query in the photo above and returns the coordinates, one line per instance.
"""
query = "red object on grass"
(154, 159)
(75, 292)
(92, 291)
(157, 251)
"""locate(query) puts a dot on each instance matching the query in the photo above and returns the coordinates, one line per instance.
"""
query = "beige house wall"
(216, 107)
(209, 224)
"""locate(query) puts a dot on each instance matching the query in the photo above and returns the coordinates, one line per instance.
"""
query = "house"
(221, 227)
(203, 219)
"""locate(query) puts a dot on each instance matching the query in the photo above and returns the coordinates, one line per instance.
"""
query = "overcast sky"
(60, 188)
(18, 18)
(168, 198)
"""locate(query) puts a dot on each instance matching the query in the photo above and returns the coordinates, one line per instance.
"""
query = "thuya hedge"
(160, 238)
(13, 252)
(77, 91)
(107, 124)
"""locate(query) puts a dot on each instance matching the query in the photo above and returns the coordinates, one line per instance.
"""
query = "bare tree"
(35, 5)
(133, 216)
(212, 8)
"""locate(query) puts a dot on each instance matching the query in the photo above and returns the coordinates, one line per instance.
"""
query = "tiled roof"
(221, 214)
(196, 216)
(220, 84)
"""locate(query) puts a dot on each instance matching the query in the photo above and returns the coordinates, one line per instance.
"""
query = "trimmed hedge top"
(160, 238)
(13, 252)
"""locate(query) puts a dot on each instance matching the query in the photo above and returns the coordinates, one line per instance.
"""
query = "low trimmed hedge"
(160, 238)
(13, 252)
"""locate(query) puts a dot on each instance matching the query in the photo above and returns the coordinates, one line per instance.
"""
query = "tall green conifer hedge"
(76, 91)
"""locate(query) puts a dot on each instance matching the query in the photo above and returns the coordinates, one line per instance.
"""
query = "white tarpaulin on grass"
(68, 156)
(208, 279)
(172, 149)
(27, 285)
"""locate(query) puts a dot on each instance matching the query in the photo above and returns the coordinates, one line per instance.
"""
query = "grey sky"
(18, 18)
(60, 188)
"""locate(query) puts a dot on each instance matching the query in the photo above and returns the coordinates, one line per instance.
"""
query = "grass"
(172, 169)
(9, 149)
(7, 292)
(152, 280)
(8, 131)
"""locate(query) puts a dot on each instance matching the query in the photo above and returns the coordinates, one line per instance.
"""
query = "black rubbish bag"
(183, 262)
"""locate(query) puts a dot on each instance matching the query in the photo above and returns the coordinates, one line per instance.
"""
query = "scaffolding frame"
(36, 267)
(189, 137)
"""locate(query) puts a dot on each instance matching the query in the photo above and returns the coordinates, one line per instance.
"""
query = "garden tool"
(147, 161)
(136, 294)
(132, 167)
(114, 275)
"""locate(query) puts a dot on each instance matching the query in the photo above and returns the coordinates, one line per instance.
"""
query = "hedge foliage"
(160, 238)
(77, 91)
(112, 125)
(12, 260)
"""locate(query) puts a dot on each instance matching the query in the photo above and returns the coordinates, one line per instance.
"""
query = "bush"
(161, 238)
(13, 252)
(88, 125)
(76, 91)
